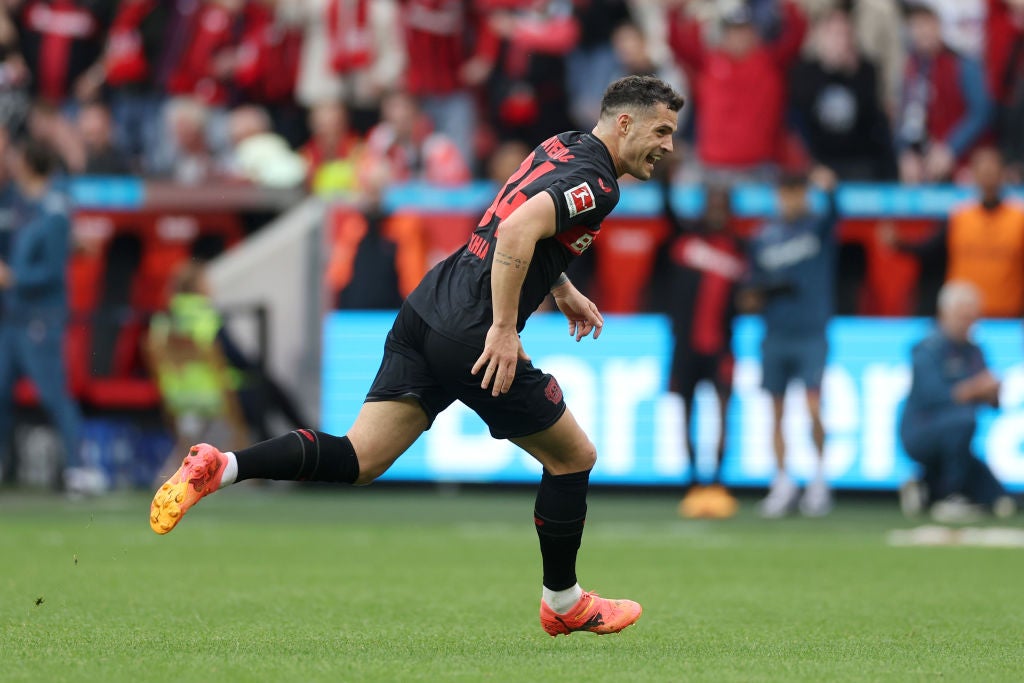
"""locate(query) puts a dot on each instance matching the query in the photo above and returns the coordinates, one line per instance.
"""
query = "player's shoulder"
(578, 153)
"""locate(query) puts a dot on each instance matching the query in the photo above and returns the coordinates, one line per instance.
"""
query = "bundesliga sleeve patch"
(580, 199)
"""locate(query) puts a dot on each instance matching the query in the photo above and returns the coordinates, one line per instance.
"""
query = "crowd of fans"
(283, 92)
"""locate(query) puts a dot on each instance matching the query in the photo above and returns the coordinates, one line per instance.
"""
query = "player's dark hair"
(39, 156)
(639, 91)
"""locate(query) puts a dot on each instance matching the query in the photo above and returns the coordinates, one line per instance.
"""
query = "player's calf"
(301, 455)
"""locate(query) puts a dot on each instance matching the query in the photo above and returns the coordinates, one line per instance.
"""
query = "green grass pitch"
(264, 584)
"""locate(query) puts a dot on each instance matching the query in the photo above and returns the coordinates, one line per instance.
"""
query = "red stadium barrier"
(166, 240)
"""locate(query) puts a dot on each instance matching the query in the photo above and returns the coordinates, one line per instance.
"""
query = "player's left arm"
(581, 312)
(517, 237)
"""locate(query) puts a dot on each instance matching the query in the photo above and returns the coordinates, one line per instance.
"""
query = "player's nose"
(666, 146)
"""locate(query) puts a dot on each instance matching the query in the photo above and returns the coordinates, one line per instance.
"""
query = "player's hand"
(502, 352)
(581, 312)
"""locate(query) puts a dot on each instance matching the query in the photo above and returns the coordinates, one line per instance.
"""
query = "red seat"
(137, 393)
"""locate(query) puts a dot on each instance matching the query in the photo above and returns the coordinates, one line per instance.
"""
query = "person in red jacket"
(443, 40)
(207, 64)
(945, 107)
(524, 51)
(740, 89)
(1004, 61)
(267, 67)
(135, 43)
(62, 41)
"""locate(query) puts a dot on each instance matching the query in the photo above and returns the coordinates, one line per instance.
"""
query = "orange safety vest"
(986, 248)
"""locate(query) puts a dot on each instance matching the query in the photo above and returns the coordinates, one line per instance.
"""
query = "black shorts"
(689, 368)
(435, 370)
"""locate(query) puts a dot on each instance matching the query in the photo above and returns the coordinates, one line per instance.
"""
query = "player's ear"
(624, 122)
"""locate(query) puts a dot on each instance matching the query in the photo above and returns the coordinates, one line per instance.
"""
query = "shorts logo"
(580, 199)
(553, 392)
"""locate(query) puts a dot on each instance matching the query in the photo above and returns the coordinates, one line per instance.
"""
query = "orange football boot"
(199, 475)
(592, 613)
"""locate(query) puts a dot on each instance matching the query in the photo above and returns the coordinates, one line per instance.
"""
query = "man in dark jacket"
(950, 382)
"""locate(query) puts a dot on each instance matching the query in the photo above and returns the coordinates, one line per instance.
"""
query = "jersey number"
(510, 198)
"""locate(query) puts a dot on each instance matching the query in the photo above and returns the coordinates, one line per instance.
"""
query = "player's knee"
(588, 457)
(582, 458)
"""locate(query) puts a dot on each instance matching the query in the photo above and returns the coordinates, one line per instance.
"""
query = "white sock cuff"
(564, 600)
(230, 471)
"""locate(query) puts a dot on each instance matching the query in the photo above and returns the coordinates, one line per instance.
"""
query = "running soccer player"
(457, 338)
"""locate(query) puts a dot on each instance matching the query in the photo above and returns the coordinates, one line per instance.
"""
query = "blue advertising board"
(617, 389)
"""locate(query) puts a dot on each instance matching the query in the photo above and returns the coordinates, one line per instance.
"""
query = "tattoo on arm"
(513, 262)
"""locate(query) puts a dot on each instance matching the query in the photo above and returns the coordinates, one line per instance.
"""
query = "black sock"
(559, 514)
(302, 455)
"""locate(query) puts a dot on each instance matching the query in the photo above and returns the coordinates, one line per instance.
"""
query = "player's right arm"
(517, 237)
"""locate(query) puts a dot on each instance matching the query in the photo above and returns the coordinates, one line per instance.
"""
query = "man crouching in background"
(950, 382)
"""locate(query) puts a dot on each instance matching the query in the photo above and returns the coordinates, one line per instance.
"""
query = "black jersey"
(576, 169)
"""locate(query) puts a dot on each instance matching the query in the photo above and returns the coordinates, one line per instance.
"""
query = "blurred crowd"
(317, 91)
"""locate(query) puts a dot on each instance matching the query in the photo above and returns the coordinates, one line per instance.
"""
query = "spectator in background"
(505, 160)
(258, 154)
(376, 257)
(205, 67)
(950, 382)
(1004, 58)
(333, 151)
(267, 67)
(835, 96)
(62, 41)
(704, 262)
(35, 308)
(352, 52)
(405, 142)
(134, 46)
(632, 50)
(878, 26)
(740, 90)
(96, 132)
(792, 283)
(983, 241)
(525, 89)
(963, 24)
(47, 122)
(14, 76)
(188, 158)
(593, 64)
(945, 107)
(442, 38)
